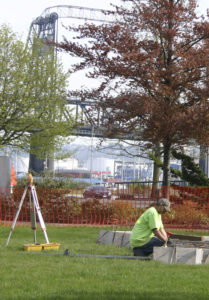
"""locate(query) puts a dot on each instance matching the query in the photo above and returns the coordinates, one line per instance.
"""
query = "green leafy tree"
(33, 111)
(152, 63)
(190, 171)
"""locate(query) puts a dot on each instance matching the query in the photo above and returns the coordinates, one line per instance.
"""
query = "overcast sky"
(20, 13)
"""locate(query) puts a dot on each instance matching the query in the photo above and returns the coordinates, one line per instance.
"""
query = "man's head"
(163, 205)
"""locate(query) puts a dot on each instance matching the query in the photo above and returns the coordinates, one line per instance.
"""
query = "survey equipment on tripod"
(35, 211)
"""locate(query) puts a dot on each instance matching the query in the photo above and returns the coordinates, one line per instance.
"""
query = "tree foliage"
(33, 111)
(152, 65)
(190, 171)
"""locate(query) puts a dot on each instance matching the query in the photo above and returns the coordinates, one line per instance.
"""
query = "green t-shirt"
(142, 231)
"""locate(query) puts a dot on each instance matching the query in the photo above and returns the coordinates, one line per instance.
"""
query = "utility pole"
(91, 155)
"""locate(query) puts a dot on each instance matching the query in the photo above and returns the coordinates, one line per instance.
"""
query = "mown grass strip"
(25, 275)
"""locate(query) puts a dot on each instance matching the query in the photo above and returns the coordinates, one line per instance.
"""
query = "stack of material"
(178, 255)
(118, 238)
(184, 249)
(194, 250)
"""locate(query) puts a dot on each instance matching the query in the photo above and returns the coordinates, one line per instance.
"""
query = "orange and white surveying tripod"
(34, 208)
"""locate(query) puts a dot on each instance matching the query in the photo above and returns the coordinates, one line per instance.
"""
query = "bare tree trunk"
(203, 161)
(156, 174)
(156, 169)
(39, 165)
(166, 168)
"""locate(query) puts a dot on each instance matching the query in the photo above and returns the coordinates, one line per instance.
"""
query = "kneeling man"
(148, 231)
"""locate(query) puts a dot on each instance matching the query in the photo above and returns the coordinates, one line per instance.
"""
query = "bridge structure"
(45, 27)
(90, 129)
(81, 109)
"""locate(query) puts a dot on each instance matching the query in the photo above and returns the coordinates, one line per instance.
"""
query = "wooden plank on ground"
(186, 237)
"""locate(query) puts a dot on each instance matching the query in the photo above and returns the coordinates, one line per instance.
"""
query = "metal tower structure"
(78, 12)
(45, 27)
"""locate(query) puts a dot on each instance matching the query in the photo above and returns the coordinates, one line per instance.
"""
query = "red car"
(97, 191)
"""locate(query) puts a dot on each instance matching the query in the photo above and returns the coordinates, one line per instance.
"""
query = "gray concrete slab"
(178, 255)
(207, 260)
(126, 240)
(118, 238)
(105, 237)
(163, 254)
(121, 238)
(205, 256)
(189, 256)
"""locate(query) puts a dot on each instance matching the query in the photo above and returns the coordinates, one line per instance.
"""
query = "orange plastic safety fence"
(189, 207)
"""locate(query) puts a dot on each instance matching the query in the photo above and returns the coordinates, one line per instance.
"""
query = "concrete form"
(205, 256)
(126, 239)
(192, 251)
(190, 256)
(106, 237)
(118, 238)
(207, 260)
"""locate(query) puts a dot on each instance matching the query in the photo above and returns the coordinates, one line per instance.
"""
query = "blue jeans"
(147, 249)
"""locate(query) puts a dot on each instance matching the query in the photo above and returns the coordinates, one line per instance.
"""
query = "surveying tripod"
(34, 208)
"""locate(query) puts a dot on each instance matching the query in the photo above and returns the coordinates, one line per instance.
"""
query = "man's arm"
(162, 230)
(161, 234)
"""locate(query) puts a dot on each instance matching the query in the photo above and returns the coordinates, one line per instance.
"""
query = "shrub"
(52, 182)
(187, 215)
(96, 212)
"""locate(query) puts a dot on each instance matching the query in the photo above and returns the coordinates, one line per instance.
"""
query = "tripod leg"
(38, 210)
(17, 214)
(33, 223)
(33, 218)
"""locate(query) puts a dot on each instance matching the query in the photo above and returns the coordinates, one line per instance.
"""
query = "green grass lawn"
(45, 275)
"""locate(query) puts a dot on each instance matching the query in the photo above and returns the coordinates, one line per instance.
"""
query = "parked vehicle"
(97, 191)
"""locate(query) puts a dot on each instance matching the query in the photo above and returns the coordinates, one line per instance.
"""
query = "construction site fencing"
(189, 206)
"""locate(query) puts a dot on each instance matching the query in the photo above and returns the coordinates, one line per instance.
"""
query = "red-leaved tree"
(152, 65)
